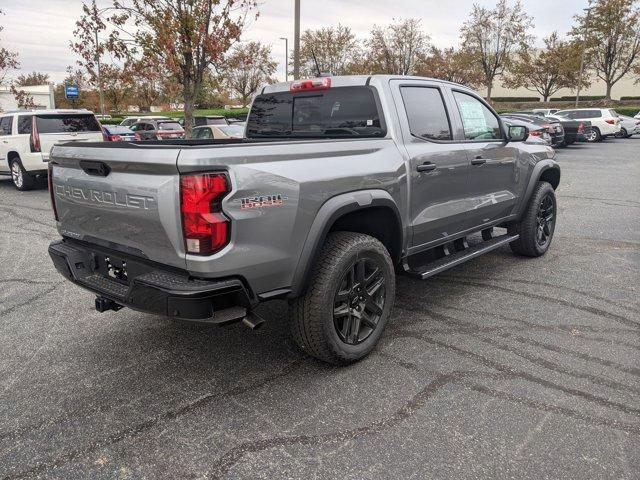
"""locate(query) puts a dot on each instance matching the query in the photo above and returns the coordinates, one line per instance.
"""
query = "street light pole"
(286, 58)
(296, 42)
(99, 74)
(584, 48)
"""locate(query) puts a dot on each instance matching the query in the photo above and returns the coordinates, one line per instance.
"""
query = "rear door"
(438, 165)
(66, 127)
(121, 196)
(6, 136)
(493, 170)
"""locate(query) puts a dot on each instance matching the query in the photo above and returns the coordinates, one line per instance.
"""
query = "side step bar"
(448, 261)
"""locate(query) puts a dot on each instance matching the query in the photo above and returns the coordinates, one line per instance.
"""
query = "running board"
(451, 260)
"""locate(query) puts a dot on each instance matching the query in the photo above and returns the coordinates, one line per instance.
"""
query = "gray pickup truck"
(339, 182)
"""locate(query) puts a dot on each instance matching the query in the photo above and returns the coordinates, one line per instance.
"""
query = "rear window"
(337, 112)
(117, 129)
(232, 130)
(169, 126)
(24, 124)
(64, 123)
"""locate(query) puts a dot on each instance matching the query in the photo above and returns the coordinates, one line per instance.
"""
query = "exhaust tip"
(253, 321)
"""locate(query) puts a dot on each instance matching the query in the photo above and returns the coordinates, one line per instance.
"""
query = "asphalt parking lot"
(500, 368)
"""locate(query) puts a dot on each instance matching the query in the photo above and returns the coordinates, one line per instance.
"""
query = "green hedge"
(628, 111)
(586, 98)
(629, 98)
(515, 99)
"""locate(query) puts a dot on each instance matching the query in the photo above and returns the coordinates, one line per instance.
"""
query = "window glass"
(169, 126)
(216, 121)
(149, 126)
(235, 131)
(63, 123)
(479, 122)
(426, 113)
(336, 112)
(25, 123)
(5, 125)
(202, 133)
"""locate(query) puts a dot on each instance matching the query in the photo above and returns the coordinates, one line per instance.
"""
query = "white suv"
(604, 121)
(26, 137)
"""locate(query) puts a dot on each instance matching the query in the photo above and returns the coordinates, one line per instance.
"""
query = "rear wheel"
(21, 178)
(538, 223)
(594, 135)
(347, 306)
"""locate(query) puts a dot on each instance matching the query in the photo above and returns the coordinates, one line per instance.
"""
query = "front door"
(438, 165)
(493, 169)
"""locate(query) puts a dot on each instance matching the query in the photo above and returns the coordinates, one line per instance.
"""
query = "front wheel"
(537, 224)
(348, 304)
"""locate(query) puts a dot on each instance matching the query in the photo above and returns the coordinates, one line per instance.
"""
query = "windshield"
(65, 123)
(169, 126)
(232, 130)
(337, 112)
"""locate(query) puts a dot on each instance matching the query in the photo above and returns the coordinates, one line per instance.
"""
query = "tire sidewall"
(545, 190)
(382, 260)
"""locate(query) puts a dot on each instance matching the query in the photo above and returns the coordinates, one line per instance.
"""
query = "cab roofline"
(356, 80)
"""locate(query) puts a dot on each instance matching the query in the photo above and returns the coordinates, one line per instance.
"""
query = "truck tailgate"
(126, 199)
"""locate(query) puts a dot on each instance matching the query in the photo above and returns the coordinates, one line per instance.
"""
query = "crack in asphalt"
(142, 427)
(593, 310)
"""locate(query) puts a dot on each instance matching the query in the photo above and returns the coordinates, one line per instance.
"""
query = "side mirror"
(518, 133)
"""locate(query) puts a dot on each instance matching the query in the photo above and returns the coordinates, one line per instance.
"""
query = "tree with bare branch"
(493, 36)
(335, 48)
(546, 70)
(453, 65)
(8, 59)
(396, 48)
(249, 66)
(611, 31)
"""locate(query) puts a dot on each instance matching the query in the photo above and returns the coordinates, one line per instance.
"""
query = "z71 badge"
(262, 201)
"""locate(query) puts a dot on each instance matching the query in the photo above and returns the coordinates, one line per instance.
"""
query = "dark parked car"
(574, 130)
(537, 133)
(554, 128)
(118, 133)
(158, 130)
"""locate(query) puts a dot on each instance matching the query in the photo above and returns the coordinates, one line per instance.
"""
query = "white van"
(26, 137)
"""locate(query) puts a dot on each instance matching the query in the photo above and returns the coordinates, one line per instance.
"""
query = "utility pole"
(286, 58)
(584, 48)
(296, 42)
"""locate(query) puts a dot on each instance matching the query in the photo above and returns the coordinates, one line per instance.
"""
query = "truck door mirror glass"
(518, 133)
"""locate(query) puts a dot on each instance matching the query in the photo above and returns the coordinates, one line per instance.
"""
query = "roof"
(50, 111)
(357, 80)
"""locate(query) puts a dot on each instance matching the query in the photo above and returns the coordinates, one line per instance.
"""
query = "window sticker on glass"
(473, 117)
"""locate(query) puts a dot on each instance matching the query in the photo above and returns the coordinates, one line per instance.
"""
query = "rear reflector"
(205, 228)
(52, 196)
(581, 128)
(323, 83)
(610, 121)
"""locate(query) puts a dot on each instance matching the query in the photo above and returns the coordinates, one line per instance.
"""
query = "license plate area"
(115, 269)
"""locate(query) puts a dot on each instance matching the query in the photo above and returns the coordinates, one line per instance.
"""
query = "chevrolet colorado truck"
(339, 183)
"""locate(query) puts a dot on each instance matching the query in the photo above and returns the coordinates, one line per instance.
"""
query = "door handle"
(427, 167)
(478, 160)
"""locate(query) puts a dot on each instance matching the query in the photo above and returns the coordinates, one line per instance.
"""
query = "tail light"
(138, 137)
(610, 121)
(114, 138)
(52, 195)
(535, 133)
(205, 228)
(34, 138)
(323, 83)
(581, 128)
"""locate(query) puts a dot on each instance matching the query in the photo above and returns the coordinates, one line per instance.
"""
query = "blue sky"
(40, 30)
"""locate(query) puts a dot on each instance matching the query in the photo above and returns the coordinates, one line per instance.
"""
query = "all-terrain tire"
(529, 228)
(20, 177)
(314, 326)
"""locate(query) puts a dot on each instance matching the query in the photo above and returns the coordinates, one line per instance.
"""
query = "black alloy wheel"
(544, 220)
(359, 302)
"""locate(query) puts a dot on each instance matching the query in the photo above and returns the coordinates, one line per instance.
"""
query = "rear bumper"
(148, 288)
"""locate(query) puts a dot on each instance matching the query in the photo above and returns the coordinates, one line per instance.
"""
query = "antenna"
(315, 60)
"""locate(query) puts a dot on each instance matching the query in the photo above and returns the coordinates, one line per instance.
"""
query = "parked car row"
(28, 135)
(564, 127)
